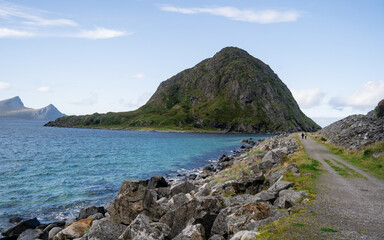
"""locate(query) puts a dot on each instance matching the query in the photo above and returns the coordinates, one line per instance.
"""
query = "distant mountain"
(14, 109)
(230, 92)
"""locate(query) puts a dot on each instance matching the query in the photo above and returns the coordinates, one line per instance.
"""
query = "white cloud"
(101, 33)
(43, 89)
(4, 85)
(364, 98)
(309, 97)
(139, 76)
(247, 15)
(89, 101)
(11, 33)
(30, 17)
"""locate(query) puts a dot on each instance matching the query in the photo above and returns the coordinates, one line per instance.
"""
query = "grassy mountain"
(230, 92)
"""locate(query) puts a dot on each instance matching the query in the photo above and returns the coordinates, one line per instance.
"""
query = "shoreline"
(199, 180)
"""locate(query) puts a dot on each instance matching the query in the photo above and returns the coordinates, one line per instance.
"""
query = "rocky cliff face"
(14, 109)
(357, 131)
(230, 92)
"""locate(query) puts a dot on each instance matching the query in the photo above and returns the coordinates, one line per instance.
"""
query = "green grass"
(362, 159)
(328, 230)
(344, 170)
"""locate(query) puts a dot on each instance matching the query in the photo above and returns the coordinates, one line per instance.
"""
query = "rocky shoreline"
(217, 203)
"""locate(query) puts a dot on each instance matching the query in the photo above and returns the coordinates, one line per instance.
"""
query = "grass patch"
(328, 230)
(341, 171)
(234, 172)
(362, 159)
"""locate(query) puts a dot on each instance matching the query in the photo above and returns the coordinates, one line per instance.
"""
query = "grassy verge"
(344, 170)
(363, 159)
(290, 226)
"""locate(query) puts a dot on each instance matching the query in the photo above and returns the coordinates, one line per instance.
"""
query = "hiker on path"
(302, 136)
(305, 135)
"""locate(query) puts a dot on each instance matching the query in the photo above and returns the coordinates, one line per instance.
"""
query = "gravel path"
(352, 206)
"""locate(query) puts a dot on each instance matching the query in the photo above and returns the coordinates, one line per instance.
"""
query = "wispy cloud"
(30, 17)
(43, 89)
(101, 33)
(89, 101)
(309, 97)
(4, 85)
(139, 76)
(245, 15)
(11, 33)
(364, 98)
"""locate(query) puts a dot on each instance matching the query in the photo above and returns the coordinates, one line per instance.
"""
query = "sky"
(105, 56)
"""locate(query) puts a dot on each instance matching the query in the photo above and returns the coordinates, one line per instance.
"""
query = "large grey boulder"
(21, 227)
(267, 196)
(182, 187)
(53, 232)
(272, 156)
(241, 199)
(143, 228)
(134, 198)
(244, 235)
(32, 234)
(86, 212)
(178, 200)
(216, 237)
(202, 210)
(289, 198)
(252, 184)
(220, 226)
(75, 230)
(195, 232)
(274, 176)
(281, 185)
(105, 229)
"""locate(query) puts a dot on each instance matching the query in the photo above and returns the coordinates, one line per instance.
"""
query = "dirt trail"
(353, 207)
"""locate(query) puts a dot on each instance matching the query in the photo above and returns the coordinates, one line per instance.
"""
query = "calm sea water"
(51, 173)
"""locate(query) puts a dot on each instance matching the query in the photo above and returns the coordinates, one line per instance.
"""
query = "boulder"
(272, 157)
(32, 234)
(157, 182)
(262, 167)
(97, 216)
(274, 176)
(75, 230)
(267, 196)
(21, 227)
(242, 199)
(245, 235)
(202, 210)
(182, 187)
(216, 237)
(163, 192)
(52, 233)
(292, 168)
(106, 229)
(220, 226)
(53, 225)
(178, 200)
(143, 228)
(195, 232)
(246, 214)
(134, 198)
(86, 212)
(251, 184)
(192, 176)
(281, 185)
(289, 198)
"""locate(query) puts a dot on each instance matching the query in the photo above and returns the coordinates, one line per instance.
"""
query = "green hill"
(230, 92)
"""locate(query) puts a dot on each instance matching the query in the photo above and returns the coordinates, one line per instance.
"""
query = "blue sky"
(99, 56)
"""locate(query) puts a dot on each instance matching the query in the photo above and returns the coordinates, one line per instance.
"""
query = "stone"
(203, 191)
(281, 185)
(69, 222)
(289, 198)
(86, 212)
(75, 230)
(163, 192)
(157, 182)
(54, 224)
(272, 157)
(242, 199)
(134, 198)
(251, 184)
(21, 227)
(274, 176)
(267, 196)
(192, 176)
(191, 232)
(143, 228)
(216, 237)
(245, 235)
(105, 229)
(246, 214)
(292, 168)
(208, 168)
(182, 187)
(53, 232)
(202, 210)
(178, 200)
(220, 226)
(97, 216)
(262, 167)
(32, 234)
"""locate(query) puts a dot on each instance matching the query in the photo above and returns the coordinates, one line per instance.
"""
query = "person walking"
(305, 135)
(302, 135)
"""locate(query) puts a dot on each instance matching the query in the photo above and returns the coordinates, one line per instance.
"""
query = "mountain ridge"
(14, 109)
(230, 92)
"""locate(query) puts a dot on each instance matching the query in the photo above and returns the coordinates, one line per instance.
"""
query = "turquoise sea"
(51, 173)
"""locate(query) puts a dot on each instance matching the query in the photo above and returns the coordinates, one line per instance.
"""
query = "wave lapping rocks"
(214, 205)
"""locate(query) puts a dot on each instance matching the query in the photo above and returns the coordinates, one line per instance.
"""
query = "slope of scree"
(230, 92)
